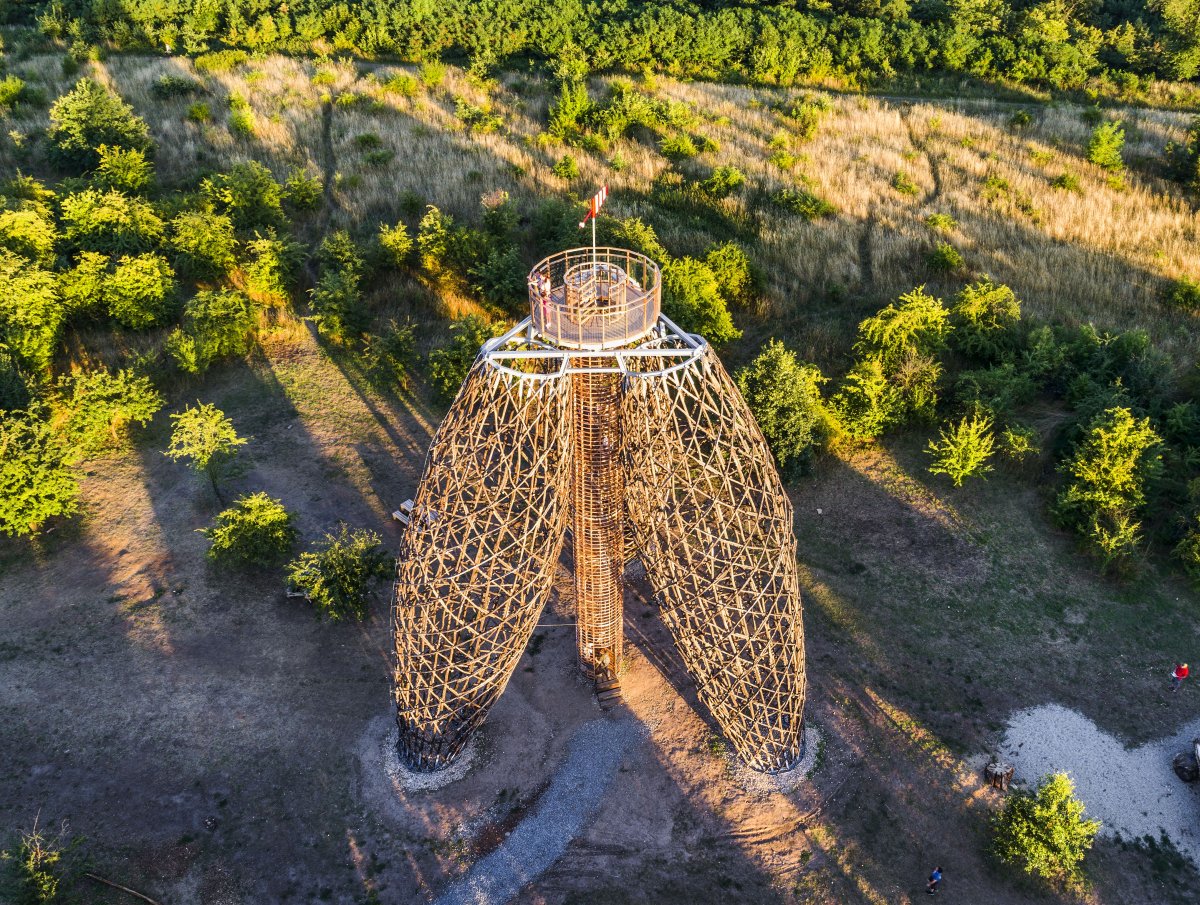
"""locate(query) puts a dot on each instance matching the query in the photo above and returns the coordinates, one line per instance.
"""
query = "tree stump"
(998, 775)
(1186, 766)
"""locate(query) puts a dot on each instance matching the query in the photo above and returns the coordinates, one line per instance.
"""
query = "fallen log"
(124, 889)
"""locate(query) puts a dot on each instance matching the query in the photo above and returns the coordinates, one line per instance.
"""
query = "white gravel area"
(574, 795)
(1134, 791)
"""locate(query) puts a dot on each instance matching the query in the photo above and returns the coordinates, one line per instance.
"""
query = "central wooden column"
(598, 497)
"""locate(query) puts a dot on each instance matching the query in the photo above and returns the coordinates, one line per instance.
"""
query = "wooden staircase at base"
(608, 693)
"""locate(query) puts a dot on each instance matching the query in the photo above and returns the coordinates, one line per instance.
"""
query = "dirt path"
(1133, 790)
(574, 795)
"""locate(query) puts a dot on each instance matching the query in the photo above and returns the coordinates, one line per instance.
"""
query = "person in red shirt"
(1177, 677)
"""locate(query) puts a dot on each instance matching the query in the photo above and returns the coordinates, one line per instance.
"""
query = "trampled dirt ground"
(205, 735)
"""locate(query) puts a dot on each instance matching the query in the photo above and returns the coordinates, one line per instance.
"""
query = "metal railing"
(601, 298)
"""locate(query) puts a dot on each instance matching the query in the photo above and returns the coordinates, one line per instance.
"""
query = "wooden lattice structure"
(600, 413)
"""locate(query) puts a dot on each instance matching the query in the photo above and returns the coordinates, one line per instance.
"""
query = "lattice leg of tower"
(478, 556)
(598, 495)
(714, 527)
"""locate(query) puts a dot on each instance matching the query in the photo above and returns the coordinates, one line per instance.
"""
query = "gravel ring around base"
(424, 782)
(758, 783)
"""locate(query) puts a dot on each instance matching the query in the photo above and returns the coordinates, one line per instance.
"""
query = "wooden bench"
(404, 514)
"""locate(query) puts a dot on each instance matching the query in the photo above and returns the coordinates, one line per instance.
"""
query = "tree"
(122, 169)
(963, 450)
(205, 241)
(216, 325)
(918, 325)
(337, 574)
(36, 483)
(31, 312)
(984, 314)
(396, 243)
(692, 298)
(138, 290)
(206, 438)
(785, 397)
(30, 233)
(271, 270)
(1104, 147)
(866, 402)
(255, 531)
(448, 367)
(1044, 832)
(110, 222)
(1107, 474)
(89, 116)
(248, 194)
(98, 407)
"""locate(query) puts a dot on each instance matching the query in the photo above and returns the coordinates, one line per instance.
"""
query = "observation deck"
(602, 300)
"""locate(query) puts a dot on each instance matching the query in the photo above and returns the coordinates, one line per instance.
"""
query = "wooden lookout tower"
(599, 414)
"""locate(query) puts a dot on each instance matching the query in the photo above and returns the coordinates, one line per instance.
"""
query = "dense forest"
(1062, 44)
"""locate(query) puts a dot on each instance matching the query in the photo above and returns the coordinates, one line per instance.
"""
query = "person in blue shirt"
(934, 879)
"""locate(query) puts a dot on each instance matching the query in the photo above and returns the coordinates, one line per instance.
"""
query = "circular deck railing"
(595, 299)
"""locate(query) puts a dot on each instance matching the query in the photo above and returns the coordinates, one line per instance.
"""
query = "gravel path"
(574, 795)
(1133, 790)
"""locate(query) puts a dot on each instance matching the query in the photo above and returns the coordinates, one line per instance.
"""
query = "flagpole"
(593, 245)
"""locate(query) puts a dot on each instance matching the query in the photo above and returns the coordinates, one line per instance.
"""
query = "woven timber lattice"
(478, 556)
(598, 496)
(714, 529)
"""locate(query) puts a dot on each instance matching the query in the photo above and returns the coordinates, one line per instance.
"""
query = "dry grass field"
(203, 733)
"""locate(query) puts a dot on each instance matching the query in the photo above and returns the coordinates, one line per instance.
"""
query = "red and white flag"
(594, 205)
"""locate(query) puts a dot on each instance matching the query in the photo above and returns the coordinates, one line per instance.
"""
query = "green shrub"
(1019, 442)
(88, 116)
(122, 169)
(985, 316)
(169, 86)
(963, 449)
(14, 382)
(692, 298)
(391, 356)
(30, 233)
(903, 184)
(37, 867)
(396, 243)
(448, 367)
(785, 397)
(1106, 477)
(567, 113)
(31, 312)
(36, 483)
(678, 147)
(216, 325)
(806, 204)
(255, 531)
(402, 84)
(997, 390)
(639, 236)
(302, 191)
(271, 269)
(138, 291)
(206, 439)
(83, 285)
(432, 73)
(1020, 119)
(98, 407)
(248, 194)
(477, 119)
(944, 258)
(1067, 182)
(918, 325)
(200, 113)
(110, 222)
(1184, 295)
(566, 168)
(807, 114)
(338, 306)
(943, 223)
(336, 576)
(731, 266)
(205, 241)
(783, 159)
(1044, 832)
(220, 60)
(723, 182)
(11, 89)
(1104, 147)
(501, 279)
(867, 404)
(434, 238)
